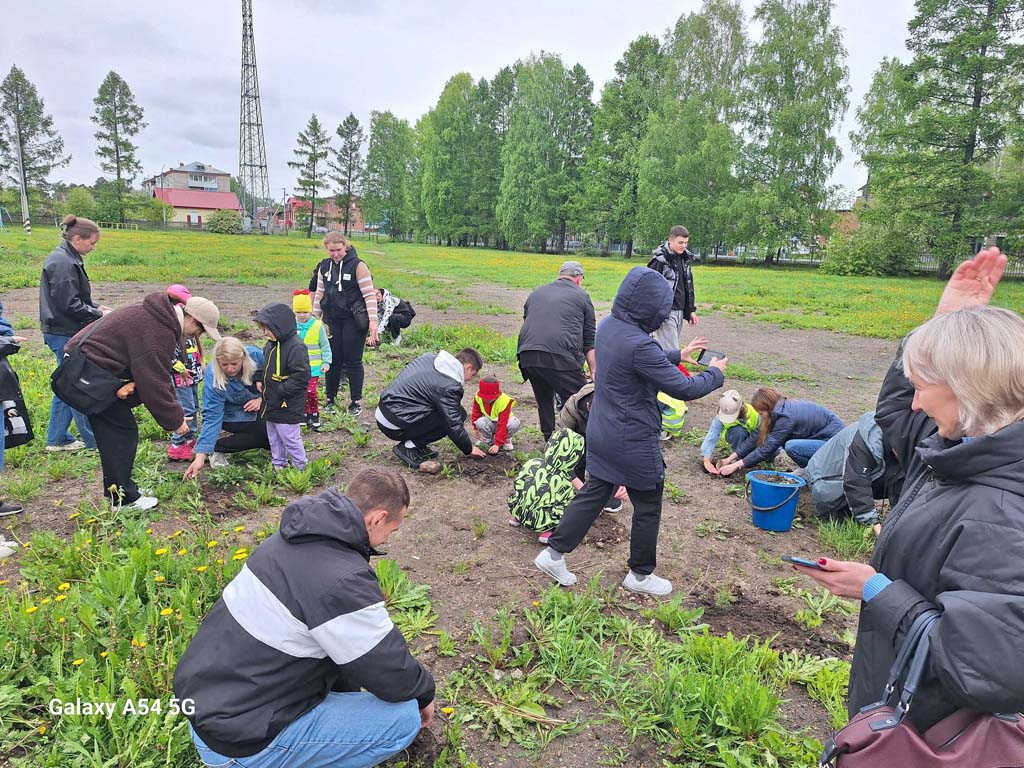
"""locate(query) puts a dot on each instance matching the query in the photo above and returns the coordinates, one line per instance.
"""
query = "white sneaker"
(647, 585)
(664, 437)
(556, 569)
(218, 460)
(507, 446)
(398, 340)
(143, 502)
(74, 445)
(7, 548)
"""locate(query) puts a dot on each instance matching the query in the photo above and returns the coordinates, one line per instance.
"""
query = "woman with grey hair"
(951, 406)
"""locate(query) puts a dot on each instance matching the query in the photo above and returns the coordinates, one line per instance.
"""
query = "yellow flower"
(142, 643)
(161, 551)
(77, 662)
(41, 729)
(166, 612)
(87, 541)
(220, 561)
(61, 620)
(176, 534)
(200, 569)
(104, 654)
(135, 643)
(211, 543)
(31, 609)
(447, 710)
(149, 530)
(117, 534)
(536, 603)
(59, 598)
(182, 551)
(3, 582)
(64, 586)
(239, 528)
(91, 520)
(74, 515)
(241, 550)
(45, 601)
(239, 556)
(159, 578)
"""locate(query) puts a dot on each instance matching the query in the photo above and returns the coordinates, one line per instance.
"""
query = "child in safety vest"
(735, 421)
(493, 422)
(544, 487)
(313, 333)
(188, 372)
(673, 412)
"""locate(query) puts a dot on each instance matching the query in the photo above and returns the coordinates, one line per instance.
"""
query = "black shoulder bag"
(81, 383)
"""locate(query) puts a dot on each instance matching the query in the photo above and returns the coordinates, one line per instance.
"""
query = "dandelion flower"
(200, 569)
(61, 620)
(447, 710)
(77, 662)
(64, 586)
(239, 556)
(45, 601)
(149, 530)
(166, 612)
(211, 543)
(161, 551)
(31, 609)
(239, 528)
(3, 582)
(59, 598)
(91, 520)
(159, 578)
(104, 654)
(41, 729)
(74, 515)
(183, 551)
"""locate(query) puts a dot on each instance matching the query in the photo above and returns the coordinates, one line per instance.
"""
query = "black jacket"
(558, 318)
(65, 296)
(431, 386)
(790, 420)
(285, 373)
(954, 542)
(625, 422)
(303, 617)
(675, 268)
(10, 387)
(341, 295)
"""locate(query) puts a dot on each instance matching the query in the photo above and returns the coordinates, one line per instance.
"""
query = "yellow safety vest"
(497, 407)
(750, 424)
(673, 419)
(312, 341)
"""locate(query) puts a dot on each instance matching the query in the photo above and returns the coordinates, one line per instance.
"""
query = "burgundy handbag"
(880, 735)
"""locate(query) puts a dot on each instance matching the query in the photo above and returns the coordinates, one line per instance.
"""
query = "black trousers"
(347, 344)
(423, 432)
(396, 323)
(546, 382)
(584, 509)
(117, 438)
(245, 435)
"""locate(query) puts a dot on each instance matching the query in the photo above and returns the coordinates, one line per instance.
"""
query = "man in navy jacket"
(623, 449)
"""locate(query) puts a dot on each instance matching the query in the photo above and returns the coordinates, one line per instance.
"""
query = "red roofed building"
(328, 214)
(194, 191)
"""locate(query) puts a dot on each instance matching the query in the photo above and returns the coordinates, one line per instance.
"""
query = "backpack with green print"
(543, 488)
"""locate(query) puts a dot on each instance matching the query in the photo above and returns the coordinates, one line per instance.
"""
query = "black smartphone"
(802, 561)
(707, 355)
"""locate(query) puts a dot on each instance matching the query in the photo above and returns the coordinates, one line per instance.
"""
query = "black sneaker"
(313, 422)
(428, 453)
(330, 405)
(10, 508)
(411, 457)
(613, 506)
(354, 409)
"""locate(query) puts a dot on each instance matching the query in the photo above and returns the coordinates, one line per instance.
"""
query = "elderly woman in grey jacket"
(951, 407)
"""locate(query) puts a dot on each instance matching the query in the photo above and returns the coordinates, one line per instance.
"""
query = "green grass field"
(436, 276)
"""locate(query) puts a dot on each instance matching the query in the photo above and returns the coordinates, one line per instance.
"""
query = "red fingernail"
(822, 561)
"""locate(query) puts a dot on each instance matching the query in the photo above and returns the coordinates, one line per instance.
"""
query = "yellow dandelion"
(45, 601)
(183, 551)
(239, 528)
(135, 643)
(27, 544)
(159, 578)
(211, 543)
(31, 609)
(64, 586)
(239, 556)
(149, 530)
(176, 534)
(241, 550)
(536, 603)
(87, 541)
(104, 654)
(91, 520)
(117, 534)
(161, 551)
(3, 582)
(60, 598)
(447, 710)
(77, 662)
(200, 569)
(41, 729)
(220, 561)
(74, 515)
(166, 612)
(61, 620)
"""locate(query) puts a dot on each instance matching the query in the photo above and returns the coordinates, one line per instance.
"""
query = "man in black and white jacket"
(298, 662)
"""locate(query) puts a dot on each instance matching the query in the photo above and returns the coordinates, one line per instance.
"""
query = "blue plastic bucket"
(773, 504)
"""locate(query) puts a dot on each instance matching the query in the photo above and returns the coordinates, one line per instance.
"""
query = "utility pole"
(163, 203)
(253, 181)
(25, 218)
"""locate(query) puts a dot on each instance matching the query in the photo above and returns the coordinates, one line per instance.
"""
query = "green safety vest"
(497, 407)
(312, 341)
(673, 419)
(749, 424)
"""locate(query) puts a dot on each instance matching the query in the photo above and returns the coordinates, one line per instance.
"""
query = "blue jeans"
(1, 446)
(188, 398)
(346, 730)
(800, 451)
(60, 412)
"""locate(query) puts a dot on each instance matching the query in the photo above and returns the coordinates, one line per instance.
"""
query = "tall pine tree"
(311, 164)
(347, 166)
(118, 119)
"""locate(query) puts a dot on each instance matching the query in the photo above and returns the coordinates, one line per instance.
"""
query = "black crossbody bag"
(81, 383)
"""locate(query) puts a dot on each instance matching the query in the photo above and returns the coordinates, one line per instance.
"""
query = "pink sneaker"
(181, 452)
(543, 538)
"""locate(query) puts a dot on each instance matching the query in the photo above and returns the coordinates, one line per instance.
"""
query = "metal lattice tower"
(253, 182)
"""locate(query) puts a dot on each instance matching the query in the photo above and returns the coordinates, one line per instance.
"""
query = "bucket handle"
(753, 506)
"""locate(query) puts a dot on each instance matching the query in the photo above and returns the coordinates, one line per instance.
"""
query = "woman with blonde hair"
(231, 403)
(799, 427)
(951, 406)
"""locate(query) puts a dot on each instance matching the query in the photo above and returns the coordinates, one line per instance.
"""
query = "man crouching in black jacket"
(424, 404)
(298, 663)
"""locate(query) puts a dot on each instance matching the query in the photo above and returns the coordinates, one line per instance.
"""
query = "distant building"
(194, 191)
(328, 214)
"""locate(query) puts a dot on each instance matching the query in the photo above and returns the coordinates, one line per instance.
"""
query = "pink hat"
(179, 293)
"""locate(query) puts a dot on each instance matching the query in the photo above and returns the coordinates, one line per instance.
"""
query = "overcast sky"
(332, 57)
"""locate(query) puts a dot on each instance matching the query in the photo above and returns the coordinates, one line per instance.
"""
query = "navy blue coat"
(791, 420)
(625, 422)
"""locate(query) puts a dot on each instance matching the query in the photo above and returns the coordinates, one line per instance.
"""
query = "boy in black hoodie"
(283, 383)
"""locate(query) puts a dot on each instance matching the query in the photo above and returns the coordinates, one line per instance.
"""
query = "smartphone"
(802, 561)
(707, 355)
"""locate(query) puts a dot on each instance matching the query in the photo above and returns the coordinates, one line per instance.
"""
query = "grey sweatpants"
(668, 334)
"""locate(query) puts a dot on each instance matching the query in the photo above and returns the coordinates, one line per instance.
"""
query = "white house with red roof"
(194, 191)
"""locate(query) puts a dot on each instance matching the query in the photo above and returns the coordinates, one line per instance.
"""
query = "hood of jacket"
(644, 299)
(449, 365)
(330, 515)
(564, 451)
(279, 318)
(159, 305)
(994, 460)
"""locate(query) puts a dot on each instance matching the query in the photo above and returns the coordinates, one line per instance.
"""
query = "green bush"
(873, 249)
(225, 222)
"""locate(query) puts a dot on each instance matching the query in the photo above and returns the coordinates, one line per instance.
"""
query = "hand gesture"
(973, 282)
(841, 578)
(374, 337)
(427, 715)
(698, 343)
(709, 465)
(720, 363)
(694, 319)
(477, 453)
(728, 469)
(493, 450)
(253, 405)
(195, 467)
(19, 339)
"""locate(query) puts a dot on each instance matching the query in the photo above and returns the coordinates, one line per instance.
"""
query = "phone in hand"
(803, 561)
(708, 355)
